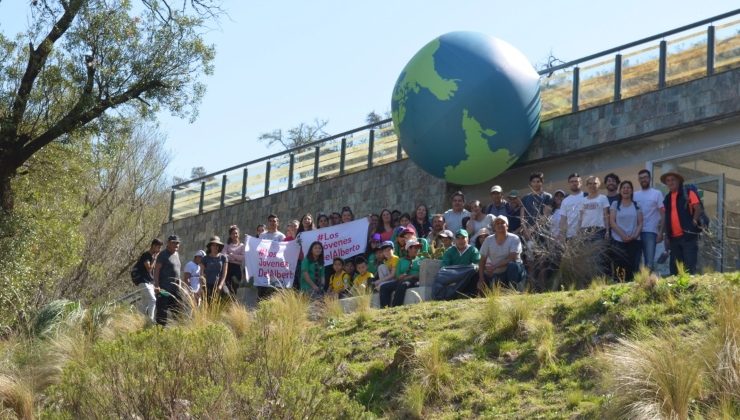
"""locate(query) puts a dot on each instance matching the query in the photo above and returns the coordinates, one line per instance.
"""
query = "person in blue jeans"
(682, 227)
(650, 202)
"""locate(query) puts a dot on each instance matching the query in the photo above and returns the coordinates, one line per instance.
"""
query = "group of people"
(498, 238)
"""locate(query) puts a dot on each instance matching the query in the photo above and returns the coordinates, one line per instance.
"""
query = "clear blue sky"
(284, 62)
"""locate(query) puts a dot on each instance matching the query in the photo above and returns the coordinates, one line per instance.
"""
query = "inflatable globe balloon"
(466, 107)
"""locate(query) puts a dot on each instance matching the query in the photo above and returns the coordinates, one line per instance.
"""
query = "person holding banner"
(312, 270)
(393, 293)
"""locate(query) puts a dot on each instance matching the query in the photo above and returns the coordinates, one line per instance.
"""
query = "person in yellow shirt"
(364, 278)
(339, 281)
(387, 270)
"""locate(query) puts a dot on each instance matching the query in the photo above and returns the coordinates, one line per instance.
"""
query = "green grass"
(553, 355)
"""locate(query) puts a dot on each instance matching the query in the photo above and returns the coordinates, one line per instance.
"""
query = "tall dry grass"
(723, 346)
(656, 377)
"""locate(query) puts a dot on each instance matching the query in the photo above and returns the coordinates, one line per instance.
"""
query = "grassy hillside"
(654, 348)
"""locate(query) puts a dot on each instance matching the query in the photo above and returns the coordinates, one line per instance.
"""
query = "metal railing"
(611, 75)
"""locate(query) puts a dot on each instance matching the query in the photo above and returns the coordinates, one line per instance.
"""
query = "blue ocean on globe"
(466, 107)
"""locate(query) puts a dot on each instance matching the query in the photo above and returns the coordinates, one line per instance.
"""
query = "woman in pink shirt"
(234, 250)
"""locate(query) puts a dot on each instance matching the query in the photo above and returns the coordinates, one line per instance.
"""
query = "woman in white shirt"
(594, 219)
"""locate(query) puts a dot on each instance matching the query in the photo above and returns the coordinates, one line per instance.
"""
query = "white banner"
(343, 241)
(271, 263)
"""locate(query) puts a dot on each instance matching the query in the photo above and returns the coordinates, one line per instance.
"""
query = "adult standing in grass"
(682, 228)
(213, 267)
(570, 208)
(594, 225)
(305, 224)
(650, 201)
(235, 253)
(312, 270)
(144, 280)
(625, 218)
(166, 279)
(500, 258)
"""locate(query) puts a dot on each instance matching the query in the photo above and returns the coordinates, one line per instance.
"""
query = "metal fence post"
(172, 203)
(618, 77)
(342, 154)
(290, 171)
(316, 164)
(244, 184)
(710, 50)
(202, 196)
(662, 65)
(267, 178)
(370, 147)
(576, 82)
(223, 190)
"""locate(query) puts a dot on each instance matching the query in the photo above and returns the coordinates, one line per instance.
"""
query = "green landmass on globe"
(466, 107)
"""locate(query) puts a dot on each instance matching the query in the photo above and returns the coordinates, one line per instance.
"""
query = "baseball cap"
(412, 243)
(513, 193)
(386, 244)
(173, 238)
(407, 231)
(199, 253)
(496, 188)
(501, 217)
(376, 237)
(461, 232)
(559, 192)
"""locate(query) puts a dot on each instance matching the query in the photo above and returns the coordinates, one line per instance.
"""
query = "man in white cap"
(682, 226)
(498, 204)
(500, 258)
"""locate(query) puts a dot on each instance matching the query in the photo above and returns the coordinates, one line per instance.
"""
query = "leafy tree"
(373, 118)
(302, 134)
(82, 59)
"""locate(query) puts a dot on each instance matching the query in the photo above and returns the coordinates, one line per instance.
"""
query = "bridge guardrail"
(641, 66)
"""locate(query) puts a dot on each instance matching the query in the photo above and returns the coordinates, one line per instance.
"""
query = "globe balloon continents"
(466, 107)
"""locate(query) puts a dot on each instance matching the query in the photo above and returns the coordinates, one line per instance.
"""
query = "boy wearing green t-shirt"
(407, 275)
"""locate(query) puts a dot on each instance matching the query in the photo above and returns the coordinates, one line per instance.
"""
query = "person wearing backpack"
(683, 210)
(141, 276)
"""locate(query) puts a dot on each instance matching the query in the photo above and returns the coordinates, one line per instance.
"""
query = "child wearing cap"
(393, 293)
(339, 281)
(192, 276)
(387, 270)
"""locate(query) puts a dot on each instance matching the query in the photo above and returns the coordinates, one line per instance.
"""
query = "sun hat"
(671, 170)
(215, 240)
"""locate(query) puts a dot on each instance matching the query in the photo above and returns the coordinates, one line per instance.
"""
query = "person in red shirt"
(682, 228)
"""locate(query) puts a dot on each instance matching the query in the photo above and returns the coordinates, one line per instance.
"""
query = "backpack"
(703, 218)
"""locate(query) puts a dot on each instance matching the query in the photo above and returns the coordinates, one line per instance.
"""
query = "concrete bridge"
(687, 115)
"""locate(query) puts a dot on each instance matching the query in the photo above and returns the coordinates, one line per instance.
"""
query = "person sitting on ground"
(462, 253)
(312, 270)
(272, 233)
(454, 216)
(339, 281)
(192, 277)
(214, 267)
(478, 220)
(393, 293)
(421, 221)
(500, 258)
(498, 204)
(364, 278)
(445, 243)
(387, 270)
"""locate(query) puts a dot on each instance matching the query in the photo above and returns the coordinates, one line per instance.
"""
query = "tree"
(302, 134)
(84, 66)
(373, 118)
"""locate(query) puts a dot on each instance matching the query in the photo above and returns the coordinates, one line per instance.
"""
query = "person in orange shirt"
(682, 227)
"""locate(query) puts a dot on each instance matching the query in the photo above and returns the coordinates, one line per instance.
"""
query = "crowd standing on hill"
(504, 239)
